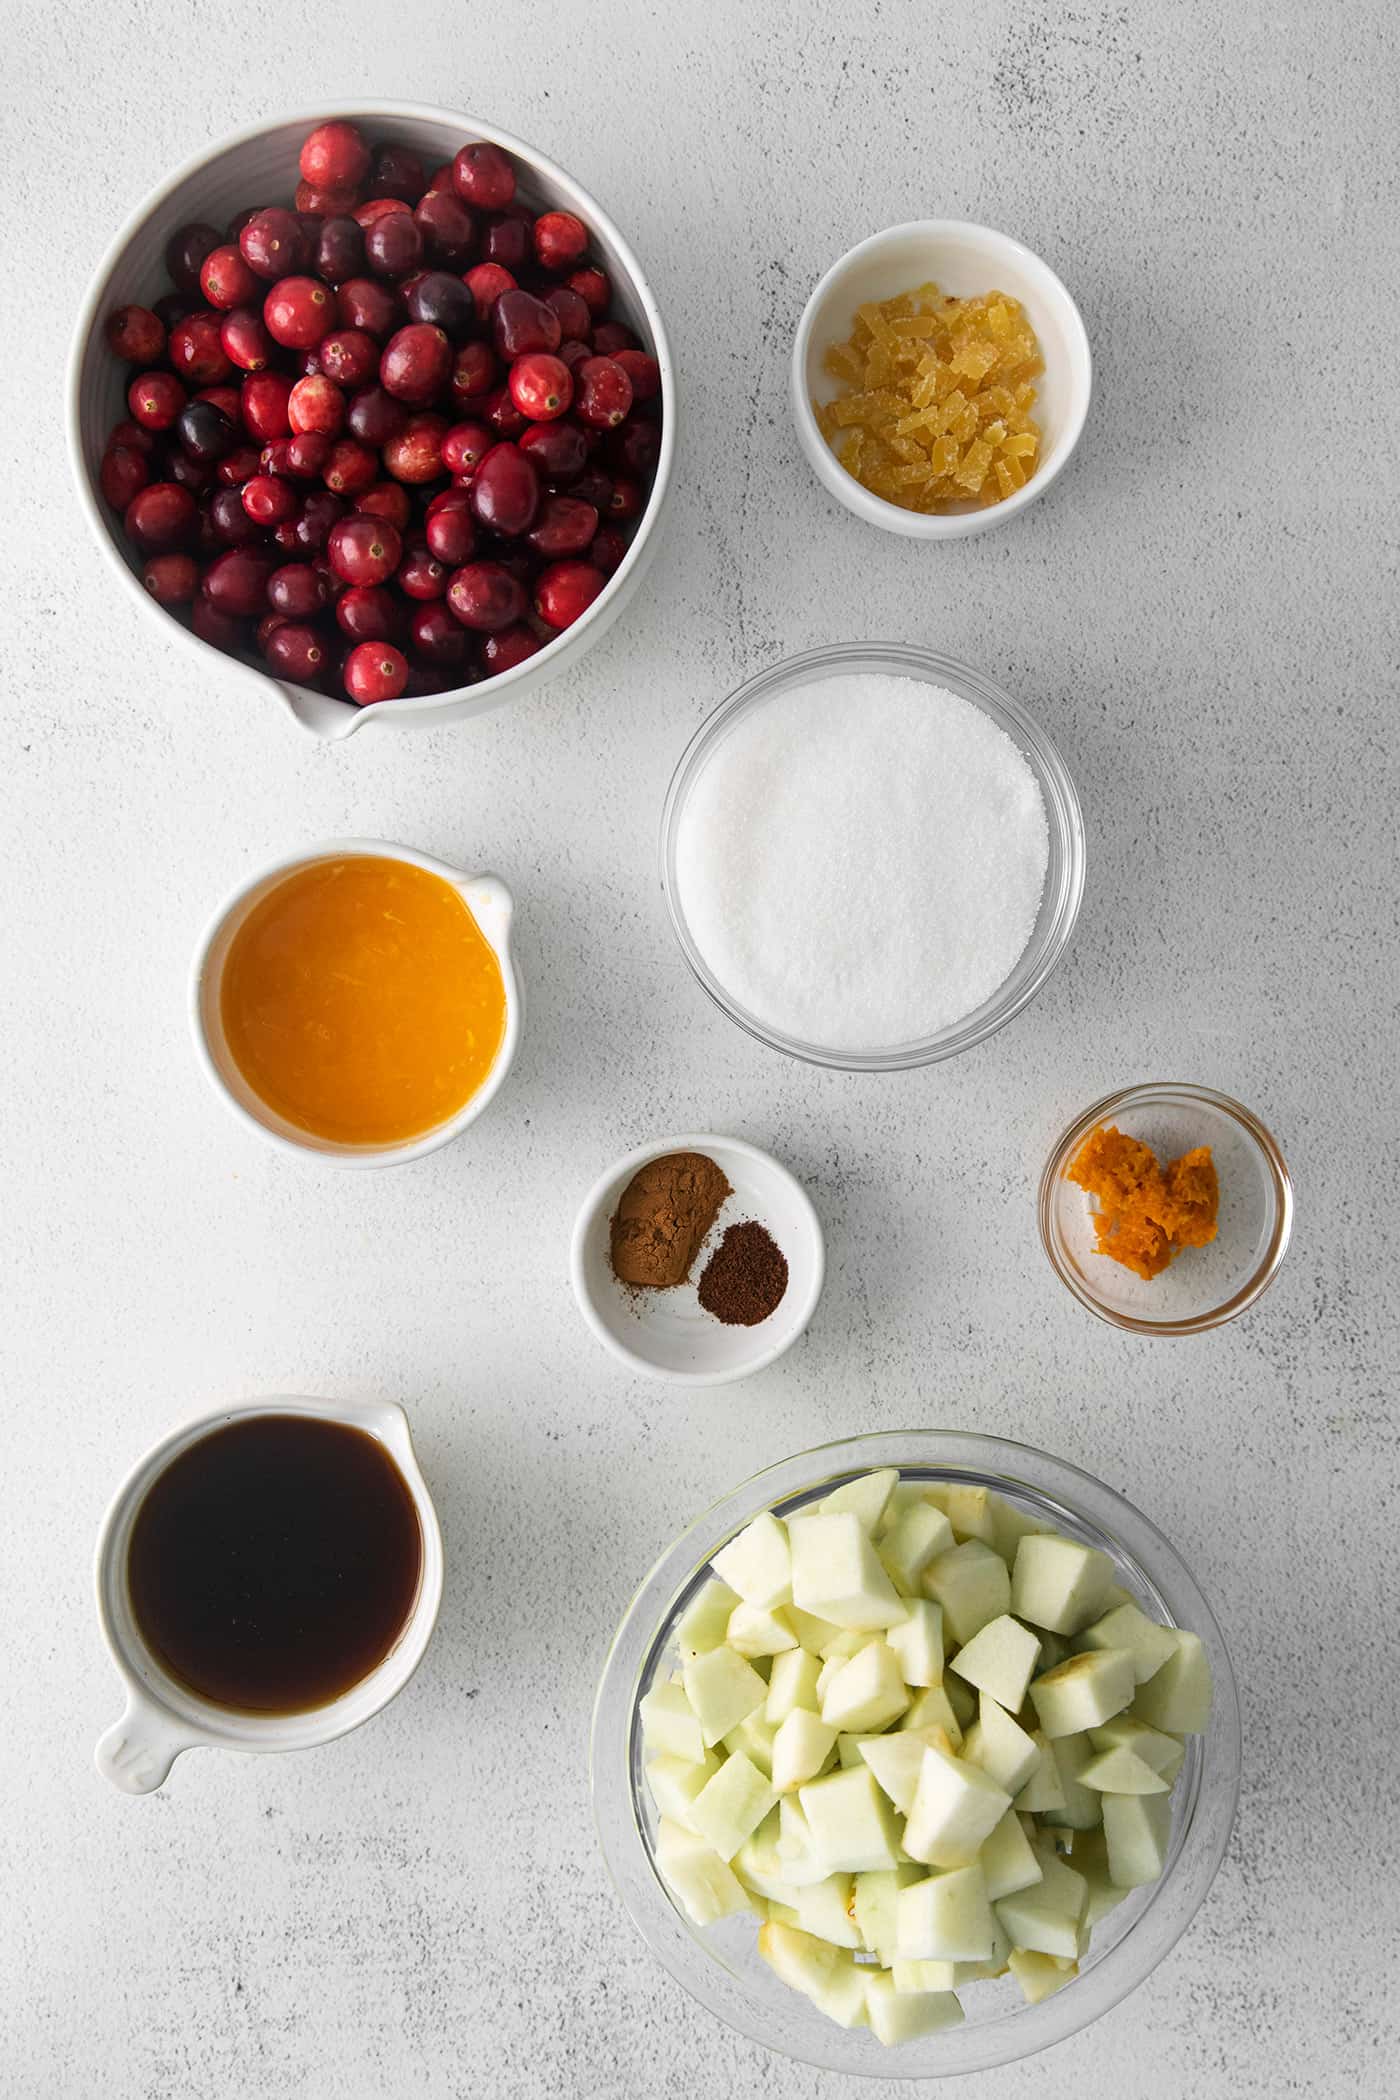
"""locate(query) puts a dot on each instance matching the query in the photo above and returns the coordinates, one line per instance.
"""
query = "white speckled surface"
(1203, 612)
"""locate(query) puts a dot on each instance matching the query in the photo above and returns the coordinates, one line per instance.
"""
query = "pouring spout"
(330, 720)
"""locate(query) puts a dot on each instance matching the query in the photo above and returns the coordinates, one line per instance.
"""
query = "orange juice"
(361, 1000)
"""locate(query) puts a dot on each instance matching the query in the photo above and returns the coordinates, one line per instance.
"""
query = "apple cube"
(932, 1708)
(1000, 1660)
(956, 1809)
(1177, 1696)
(1045, 1918)
(1137, 1830)
(843, 1645)
(758, 1563)
(1007, 1859)
(1163, 1752)
(695, 1872)
(814, 1633)
(854, 1829)
(705, 1620)
(1010, 1525)
(801, 1748)
(760, 1866)
(797, 1848)
(792, 1683)
(867, 1498)
(670, 1725)
(753, 1632)
(898, 1759)
(916, 1976)
(946, 1917)
(873, 1906)
(1122, 1771)
(836, 1574)
(827, 1975)
(1082, 1808)
(918, 1642)
(903, 2016)
(1149, 1644)
(1042, 1793)
(972, 1586)
(723, 1690)
(969, 1509)
(1091, 1860)
(1039, 1974)
(916, 1538)
(674, 1783)
(1059, 1584)
(753, 1739)
(731, 1805)
(1001, 1747)
(868, 1692)
(1083, 1691)
(825, 1909)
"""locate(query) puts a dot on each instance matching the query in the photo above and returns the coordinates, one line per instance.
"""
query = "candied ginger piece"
(971, 471)
(975, 360)
(842, 362)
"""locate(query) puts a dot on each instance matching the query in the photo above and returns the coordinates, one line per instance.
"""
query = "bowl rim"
(1276, 1171)
(503, 686)
(499, 941)
(598, 1195)
(890, 517)
(1199, 1838)
(1063, 813)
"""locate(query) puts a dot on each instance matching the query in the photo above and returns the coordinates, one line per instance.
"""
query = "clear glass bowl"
(1204, 1286)
(1064, 876)
(720, 1966)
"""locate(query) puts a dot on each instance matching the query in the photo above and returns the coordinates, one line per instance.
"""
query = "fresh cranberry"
(314, 205)
(316, 404)
(236, 582)
(608, 548)
(375, 416)
(540, 386)
(521, 323)
(363, 304)
(192, 474)
(415, 455)
(420, 574)
(128, 433)
(297, 590)
(364, 549)
(303, 455)
(349, 357)
(350, 467)
(272, 243)
(473, 373)
(238, 466)
(298, 312)
(185, 252)
(499, 410)
(604, 392)
(264, 397)
(593, 487)
(557, 451)
(393, 244)
(506, 240)
(134, 333)
(213, 626)
(643, 371)
(268, 499)
(296, 651)
(564, 527)
(205, 432)
(415, 364)
(318, 514)
(123, 474)
(565, 590)
(155, 400)
(161, 517)
(636, 448)
(196, 350)
(340, 249)
(441, 179)
(436, 636)
(485, 596)
(245, 342)
(375, 671)
(334, 156)
(226, 280)
(511, 646)
(368, 614)
(171, 579)
(610, 337)
(448, 528)
(626, 502)
(241, 219)
(575, 321)
(229, 523)
(387, 499)
(560, 240)
(487, 282)
(441, 300)
(447, 227)
(376, 208)
(425, 680)
(484, 176)
(505, 491)
(575, 353)
(266, 628)
(464, 448)
(593, 288)
(395, 171)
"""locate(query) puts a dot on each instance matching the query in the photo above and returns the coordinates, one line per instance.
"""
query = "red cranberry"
(565, 590)
(387, 499)
(171, 579)
(122, 475)
(298, 312)
(340, 249)
(350, 467)
(268, 499)
(499, 410)
(334, 156)
(238, 466)
(521, 323)
(636, 449)
(319, 512)
(393, 244)
(375, 208)
(560, 240)
(485, 596)
(302, 456)
(245, 342)
(484, 176)
(511, 646)
(185, 252)
(574, 353)
(272, 243)
(296, 651)
(128, 433)
(375, 671)
(236, 582)
(604, 392)
(441, 178)
(226, 280)
(264, 399)
(473, 373)
(205, 432)
(575, 321)
(368, 614)
(464, 448)
(214, 626)
(595, 488)
(436, 636)
(420, 574)
(196, 350)
(449, 529)
(161, 517)
(505, 491)
(540, 386)
(564, 527)
(506, 241)
(608, 548)
(134, 333)
(395, 171)
(316, 404)
(349, 356)
(375, 416)
(447, 227)
(643, 371)
(593, 288)
(557, 451)
(626, 501)
(363, 304)
(297, 590)
(155, 400)
(610, 337)
(487, 282)
(314, 205)
(241, 219)
(192, 474)
(266, 628)
(364, 549)
(442, 301)
(415, 364)
(415, 455)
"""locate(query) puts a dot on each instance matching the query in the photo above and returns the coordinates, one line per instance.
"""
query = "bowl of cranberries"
(377, 404)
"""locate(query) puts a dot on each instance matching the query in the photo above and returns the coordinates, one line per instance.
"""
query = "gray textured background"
(1203, 612)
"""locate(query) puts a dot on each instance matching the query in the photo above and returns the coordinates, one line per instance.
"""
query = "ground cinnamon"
(666, 1209)
(745, 1278)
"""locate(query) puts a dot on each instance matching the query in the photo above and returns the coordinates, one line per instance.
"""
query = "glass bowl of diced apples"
(916, 1753)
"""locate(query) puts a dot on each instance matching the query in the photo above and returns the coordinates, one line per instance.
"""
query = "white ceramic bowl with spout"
(260, 166)
(163, 1716)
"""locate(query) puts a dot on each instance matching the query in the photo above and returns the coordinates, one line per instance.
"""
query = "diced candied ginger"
(934, 397)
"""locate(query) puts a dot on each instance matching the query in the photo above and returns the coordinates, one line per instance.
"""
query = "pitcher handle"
(137, 1751)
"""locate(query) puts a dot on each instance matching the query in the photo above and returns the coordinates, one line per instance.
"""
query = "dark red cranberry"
(557, 451)
(369, 614)
(521, 323)
(506, 240)
(593, 487)
(205, 432)
(192, 474)
(473, 373)
(393, 245)
(226, 280)
(447, 227)
(436, 636)
(395, 171)
(415, 455)
(297, 590)
(340, 250)
(134, 333)
(485, 596)
(220, 629)
(122, 475)
(334, 156)
(560, 240)
(172, 307)
(363, 304)
(264, 398)
(375, 671)
(541, 386)
(236, 583)
(564, 527)
(441, 178)
(415, 364)
(245, 342)
(350, 467)
(161, 517)
(268, 499)
(296, 651)
(643, 371)
(375, 416)
(387, 499)
(223, 397)
(241, 219)
(303, 455)
(364, 549)
(273, 243)
(171, 579)
(565, 590)
(499, 410)
(610, 337)
(575, 321)
(298, 311)
(487, 282)
(424, 680)
(313, 206)
(196, 350)
(318, 513)
(464, 448)
(505, 491)
(239, 465)
(608, 548)
(230, 522)
(155, 400)
(574, 353)
(511, 646)
(128, 433)
(266, 628)
(449, 528)
(593, 288)
(185, 252)
(349, 356)
(626, 502)
(284, 535)
(484, 176)
(420, 575)
(441, 300)
(316, 405)
(604, 393)
(636, 448)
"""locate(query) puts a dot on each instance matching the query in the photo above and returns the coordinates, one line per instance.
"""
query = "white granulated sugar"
(861, 861)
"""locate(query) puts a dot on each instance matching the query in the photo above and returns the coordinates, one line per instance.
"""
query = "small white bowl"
(964, 260)
(667, 1334)
(490, 904)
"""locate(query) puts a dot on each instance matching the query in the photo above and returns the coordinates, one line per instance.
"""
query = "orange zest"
(1146, 1212)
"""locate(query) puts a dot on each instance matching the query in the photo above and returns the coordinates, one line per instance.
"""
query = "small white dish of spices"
(697, 1259)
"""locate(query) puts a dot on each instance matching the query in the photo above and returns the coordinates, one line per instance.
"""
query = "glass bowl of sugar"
(872, 856)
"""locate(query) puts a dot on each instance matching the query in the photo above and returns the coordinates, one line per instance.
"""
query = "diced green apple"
(932, 1708)
(1137, 1830)
(1007, 1859)
(753, 1632)
(670, 1725)
(731, 1805)
(1149, 1644)
(760, 1866)
(1177, 1696)
(866, 1693)
(867, 1497)
(1163, 1752)
(792, 1683)
(675, 1781)
(753, 1739)
(797, 1848)
(1122, 1771)
(946, 1917)
(835, 1573)
(827, 1975)
(705, 1620)
(1091, 1860)
(917, 1976)
(897, 1760)
(1003, 1749)
(915, 1539)
(969, 1509)
(1039, 1975)
(801, 1749)
(972, 1586)
(963, 1701)
(1081, 1808)
(723, 1690)
(758, 1563)
(918, 1642)
(1083, 1691)
(1000, 1660)
(814, 1633)
(874, 1907)
(825, 1909)
(1011, 1525)
(904, 2016)
(1042, 1793)
(706, 1886)
(1059, 1584)
(854, 1829)
(956, 1809)
(1045, 1918)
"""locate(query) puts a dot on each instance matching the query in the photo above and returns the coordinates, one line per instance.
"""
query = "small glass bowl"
(1205, 1286)
(720, 1966)
(1064, 875)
